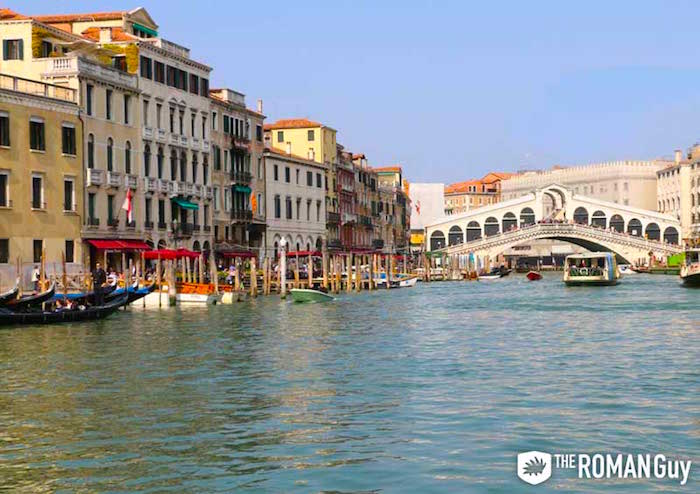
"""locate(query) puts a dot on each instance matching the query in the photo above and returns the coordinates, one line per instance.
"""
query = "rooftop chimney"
(289, 148)
(678, 155)
(260, 106)
(105, 35)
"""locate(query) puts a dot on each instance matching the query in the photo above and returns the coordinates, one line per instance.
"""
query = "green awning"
(184, 203)
(241, 188)
(145, 29)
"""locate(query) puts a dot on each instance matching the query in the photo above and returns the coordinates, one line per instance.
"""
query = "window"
(161, 211)
(298, 208)
(88, 99)
(260, 206)
(310, 135)
(194, 84)
(280, 136)
(38, 250)
(91, 208)
(204, 127)
(91, 151)
(68, 139)
(225, 160)
(110, 209)
(146, 68)
(147, 161)
(194, 168)
(172, 76)
(215, 195)
(159, 72)
(108, 104)
(260, 173)
(278, 207)
(147, 208)
(145, 112)
(68, 197)
(319, 181)
(287, 174)
(36, 134)
(172, 119)
(318, 210)
(308, 210)
(70, 251)
(288, 204)
(46, 49)
(205, 170)
(181, 79)
(297, 174)
(310, 179)
(127, 101)
(110, 154)
(182, 123)
(159, 112)
(4, 129)
(192, 123)
(204, 87)
(160, 158)
(127, 158)
(13, 49)
(227, 122)
(37, 192)
(4, 250)
(276, 172)
(4, 189)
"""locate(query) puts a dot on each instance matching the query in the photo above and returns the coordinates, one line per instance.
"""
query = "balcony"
(150, 184)
(366, 221)
(209, 194)
(349, 218)
(160, 135)
(196, 143)
(114, 179)
(332, 218)
(241, 177)
(178, 188)
(347, 188)
(72, 65)
(163, 185)
(162, 225)
(196, 227)
(207, 228)
(377, 243)
(335, 243)
(182, 229)
(184, 141)
(241, 215)
(27, 86)
(147, 132)
(94, 177)
(148, 225)
(131, 181)
(174, 139)
(205, 145)
(189, 189)
(198, 190)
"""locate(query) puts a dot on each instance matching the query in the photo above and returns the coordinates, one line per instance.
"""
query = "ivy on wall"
(130, 52)
(38, 35)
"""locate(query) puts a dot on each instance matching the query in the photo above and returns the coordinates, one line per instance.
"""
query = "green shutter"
(4, 49)
(21, 49)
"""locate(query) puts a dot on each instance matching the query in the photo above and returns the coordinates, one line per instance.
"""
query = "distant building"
(629, 183)
(394, 207)
(461, 197)
(678, 191)
(427, 206)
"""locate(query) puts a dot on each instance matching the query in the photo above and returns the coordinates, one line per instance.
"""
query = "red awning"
(119, 244)
(165, 254)
(300, 253)
(241, 254)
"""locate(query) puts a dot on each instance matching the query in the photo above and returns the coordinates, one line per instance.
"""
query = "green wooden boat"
(302, 295)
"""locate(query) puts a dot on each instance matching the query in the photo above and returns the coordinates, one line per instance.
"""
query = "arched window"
(437, 240)
(510, 222)
(634, 227)
(473, 231)
(173, 165)
(581, 216)
(617, 223)
(194, 168)
(127, 157)
(205, 169)
(598, 219)
(319, 243)
(183, 167)
(206, 247)
(91, 151)
(671, 235)
(161, 244)
(491, 226)
(159, 158)
(527, 217)
(653, 232)
(147, 161)
(455, 236)
(110, 154)
(196, 247)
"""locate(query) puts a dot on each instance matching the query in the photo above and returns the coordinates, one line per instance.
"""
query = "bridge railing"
(535, 231)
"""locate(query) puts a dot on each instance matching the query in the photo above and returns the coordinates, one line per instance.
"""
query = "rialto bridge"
(555, 212)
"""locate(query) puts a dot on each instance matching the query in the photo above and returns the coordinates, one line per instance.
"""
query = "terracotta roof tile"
(292, 123)
(118, 34)
(281, 152)
(11, 15)
(394, 169)
(94, 16)
(358, 156)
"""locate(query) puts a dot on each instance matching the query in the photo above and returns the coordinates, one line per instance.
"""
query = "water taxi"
(596, 268)
(690, 269)
(303, 295)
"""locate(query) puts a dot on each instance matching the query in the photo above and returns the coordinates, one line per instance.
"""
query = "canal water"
(430, 389)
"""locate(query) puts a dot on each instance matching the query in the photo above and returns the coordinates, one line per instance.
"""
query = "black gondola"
(9, 295)
(8, 318)
(85, 297)
(29, 300)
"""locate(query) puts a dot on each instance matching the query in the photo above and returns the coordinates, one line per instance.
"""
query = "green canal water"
(431, 389)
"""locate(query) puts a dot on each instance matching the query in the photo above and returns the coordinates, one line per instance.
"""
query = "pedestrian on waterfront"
(99, 279)
(36, 276)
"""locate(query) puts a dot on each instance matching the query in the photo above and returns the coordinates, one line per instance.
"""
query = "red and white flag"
(127, 206)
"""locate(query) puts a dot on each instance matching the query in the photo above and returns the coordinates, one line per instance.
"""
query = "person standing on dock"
(99, 278)
(36, 276)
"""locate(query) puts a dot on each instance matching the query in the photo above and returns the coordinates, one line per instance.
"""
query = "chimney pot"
(260, 106)
(105, 35)
(678, 155)
(289, 148)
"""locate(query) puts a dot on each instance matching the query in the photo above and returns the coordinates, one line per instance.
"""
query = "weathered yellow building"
(40, 176)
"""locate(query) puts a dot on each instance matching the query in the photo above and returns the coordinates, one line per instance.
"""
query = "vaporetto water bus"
(690, 269)
(596, 268)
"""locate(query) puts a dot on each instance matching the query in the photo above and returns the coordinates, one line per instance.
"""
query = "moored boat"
(407, 282)
(302, 295)
(690, 270)
(533, 276)
(31, 300)
(9, 317)
(10, 294)
(596, 268)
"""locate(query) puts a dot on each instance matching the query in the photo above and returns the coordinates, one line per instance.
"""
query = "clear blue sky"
(453, 89)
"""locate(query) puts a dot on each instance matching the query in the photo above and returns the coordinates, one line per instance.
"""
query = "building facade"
(678, 191)
(40, 176)
(296, 209)
(427, 207)
(461, 197)
(394, 208)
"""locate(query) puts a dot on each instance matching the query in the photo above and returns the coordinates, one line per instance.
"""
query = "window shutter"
(21, 49)
(4, 49)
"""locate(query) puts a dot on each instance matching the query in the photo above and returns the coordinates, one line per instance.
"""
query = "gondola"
(29, 300)
(84, 297)
(135, 293)
(9, 294)
(9, 318)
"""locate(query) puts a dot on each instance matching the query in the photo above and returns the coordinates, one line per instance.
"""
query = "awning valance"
(119, 244)
(184, 203)
(145, 29)
(303, 253)
(165, 254)
(241, 188)
(234, 254)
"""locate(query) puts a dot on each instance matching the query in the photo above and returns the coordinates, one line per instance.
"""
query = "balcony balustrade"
(196, 143)
(160, 135)
(241, 177)
(332, 218)
(147, 132)
(94, 177)
(184, 141)
(182, 229)
(114, 179)
(174, 139)
(131, 181)
(377, 243)
(335, 243)
(162, 225)
(241, 214)
(205, 145)
(189, 188)
(150, 184)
